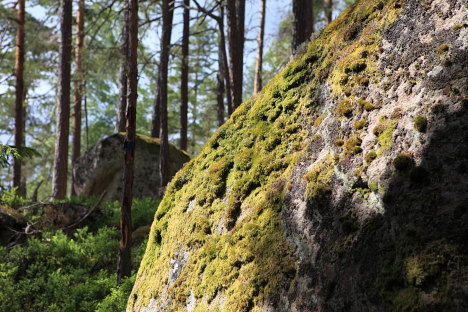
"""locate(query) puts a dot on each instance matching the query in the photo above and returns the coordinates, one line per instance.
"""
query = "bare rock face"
(101, 167)
(342, 186)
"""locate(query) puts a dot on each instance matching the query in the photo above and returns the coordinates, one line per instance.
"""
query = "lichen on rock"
(274, 215)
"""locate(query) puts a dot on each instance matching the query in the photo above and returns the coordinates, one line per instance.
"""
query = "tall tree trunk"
(259, 59)
(167, 14)
(156, 120)
(220, 95)
(235, 18)
(19, 96)
(79, 77)
(328, 6)
(303, 22)
(224, 58)
(125, 260)
(121, 110)
(59, 183)
(184, 77)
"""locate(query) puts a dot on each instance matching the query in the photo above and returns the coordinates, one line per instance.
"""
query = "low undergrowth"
(74, 271)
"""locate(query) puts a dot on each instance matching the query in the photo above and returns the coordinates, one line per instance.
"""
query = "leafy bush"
(76, 272)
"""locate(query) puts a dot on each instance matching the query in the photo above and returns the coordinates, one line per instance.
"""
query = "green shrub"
(75, 272)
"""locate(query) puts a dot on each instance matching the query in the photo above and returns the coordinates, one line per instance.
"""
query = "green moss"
(370, 157)
(384, 132)
(403, 162)
(412, 270)
(352, 146)
(237, 196)
(457, 27)
(318, 179)
(364, 105)
(420, 123)
(339, 142)
(443, 48)
(360, 124)
(243, 160)
(363, 81)
(345, 108)
(318, 121)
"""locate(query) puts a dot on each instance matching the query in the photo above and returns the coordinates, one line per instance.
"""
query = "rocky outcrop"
(100, 168)
(343, 186)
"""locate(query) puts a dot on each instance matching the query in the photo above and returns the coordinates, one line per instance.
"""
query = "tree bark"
(328, 6)
(78, 94)
(156, 120)
(259, 59)
(184, 77)
(235, 18)
(224, 59)
(220, 95)
(59, 183)
(167, 15)
(121, 110)
(19, 96)
(303, 22)
(125, 261)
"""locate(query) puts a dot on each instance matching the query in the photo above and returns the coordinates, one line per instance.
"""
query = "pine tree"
(184, 77)
(303, 22)
(125, 260)
(19, 97)
(59, 187)
(121, 109)
(235, 19)
(259, 59)
(328, 6)
(167, 15)
(78, 94)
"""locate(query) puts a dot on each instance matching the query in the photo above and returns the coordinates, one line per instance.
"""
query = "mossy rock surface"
(273, 215)
(101, 167)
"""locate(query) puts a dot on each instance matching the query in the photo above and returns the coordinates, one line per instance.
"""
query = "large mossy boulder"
(324, 193)
(100, 168)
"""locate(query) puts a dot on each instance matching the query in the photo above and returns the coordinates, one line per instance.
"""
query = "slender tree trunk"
(303, 22)
(156, 120)
(167, 14)
(59, 183)
(235, 18)
(19, 96)
(184, 77)
(220, 95)
(259, 59)
(121, 111)
(79, 77)
(328, 6)
(125, 261)
(224, 58)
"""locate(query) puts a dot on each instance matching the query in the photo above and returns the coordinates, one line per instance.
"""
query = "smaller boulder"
(101, 167)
